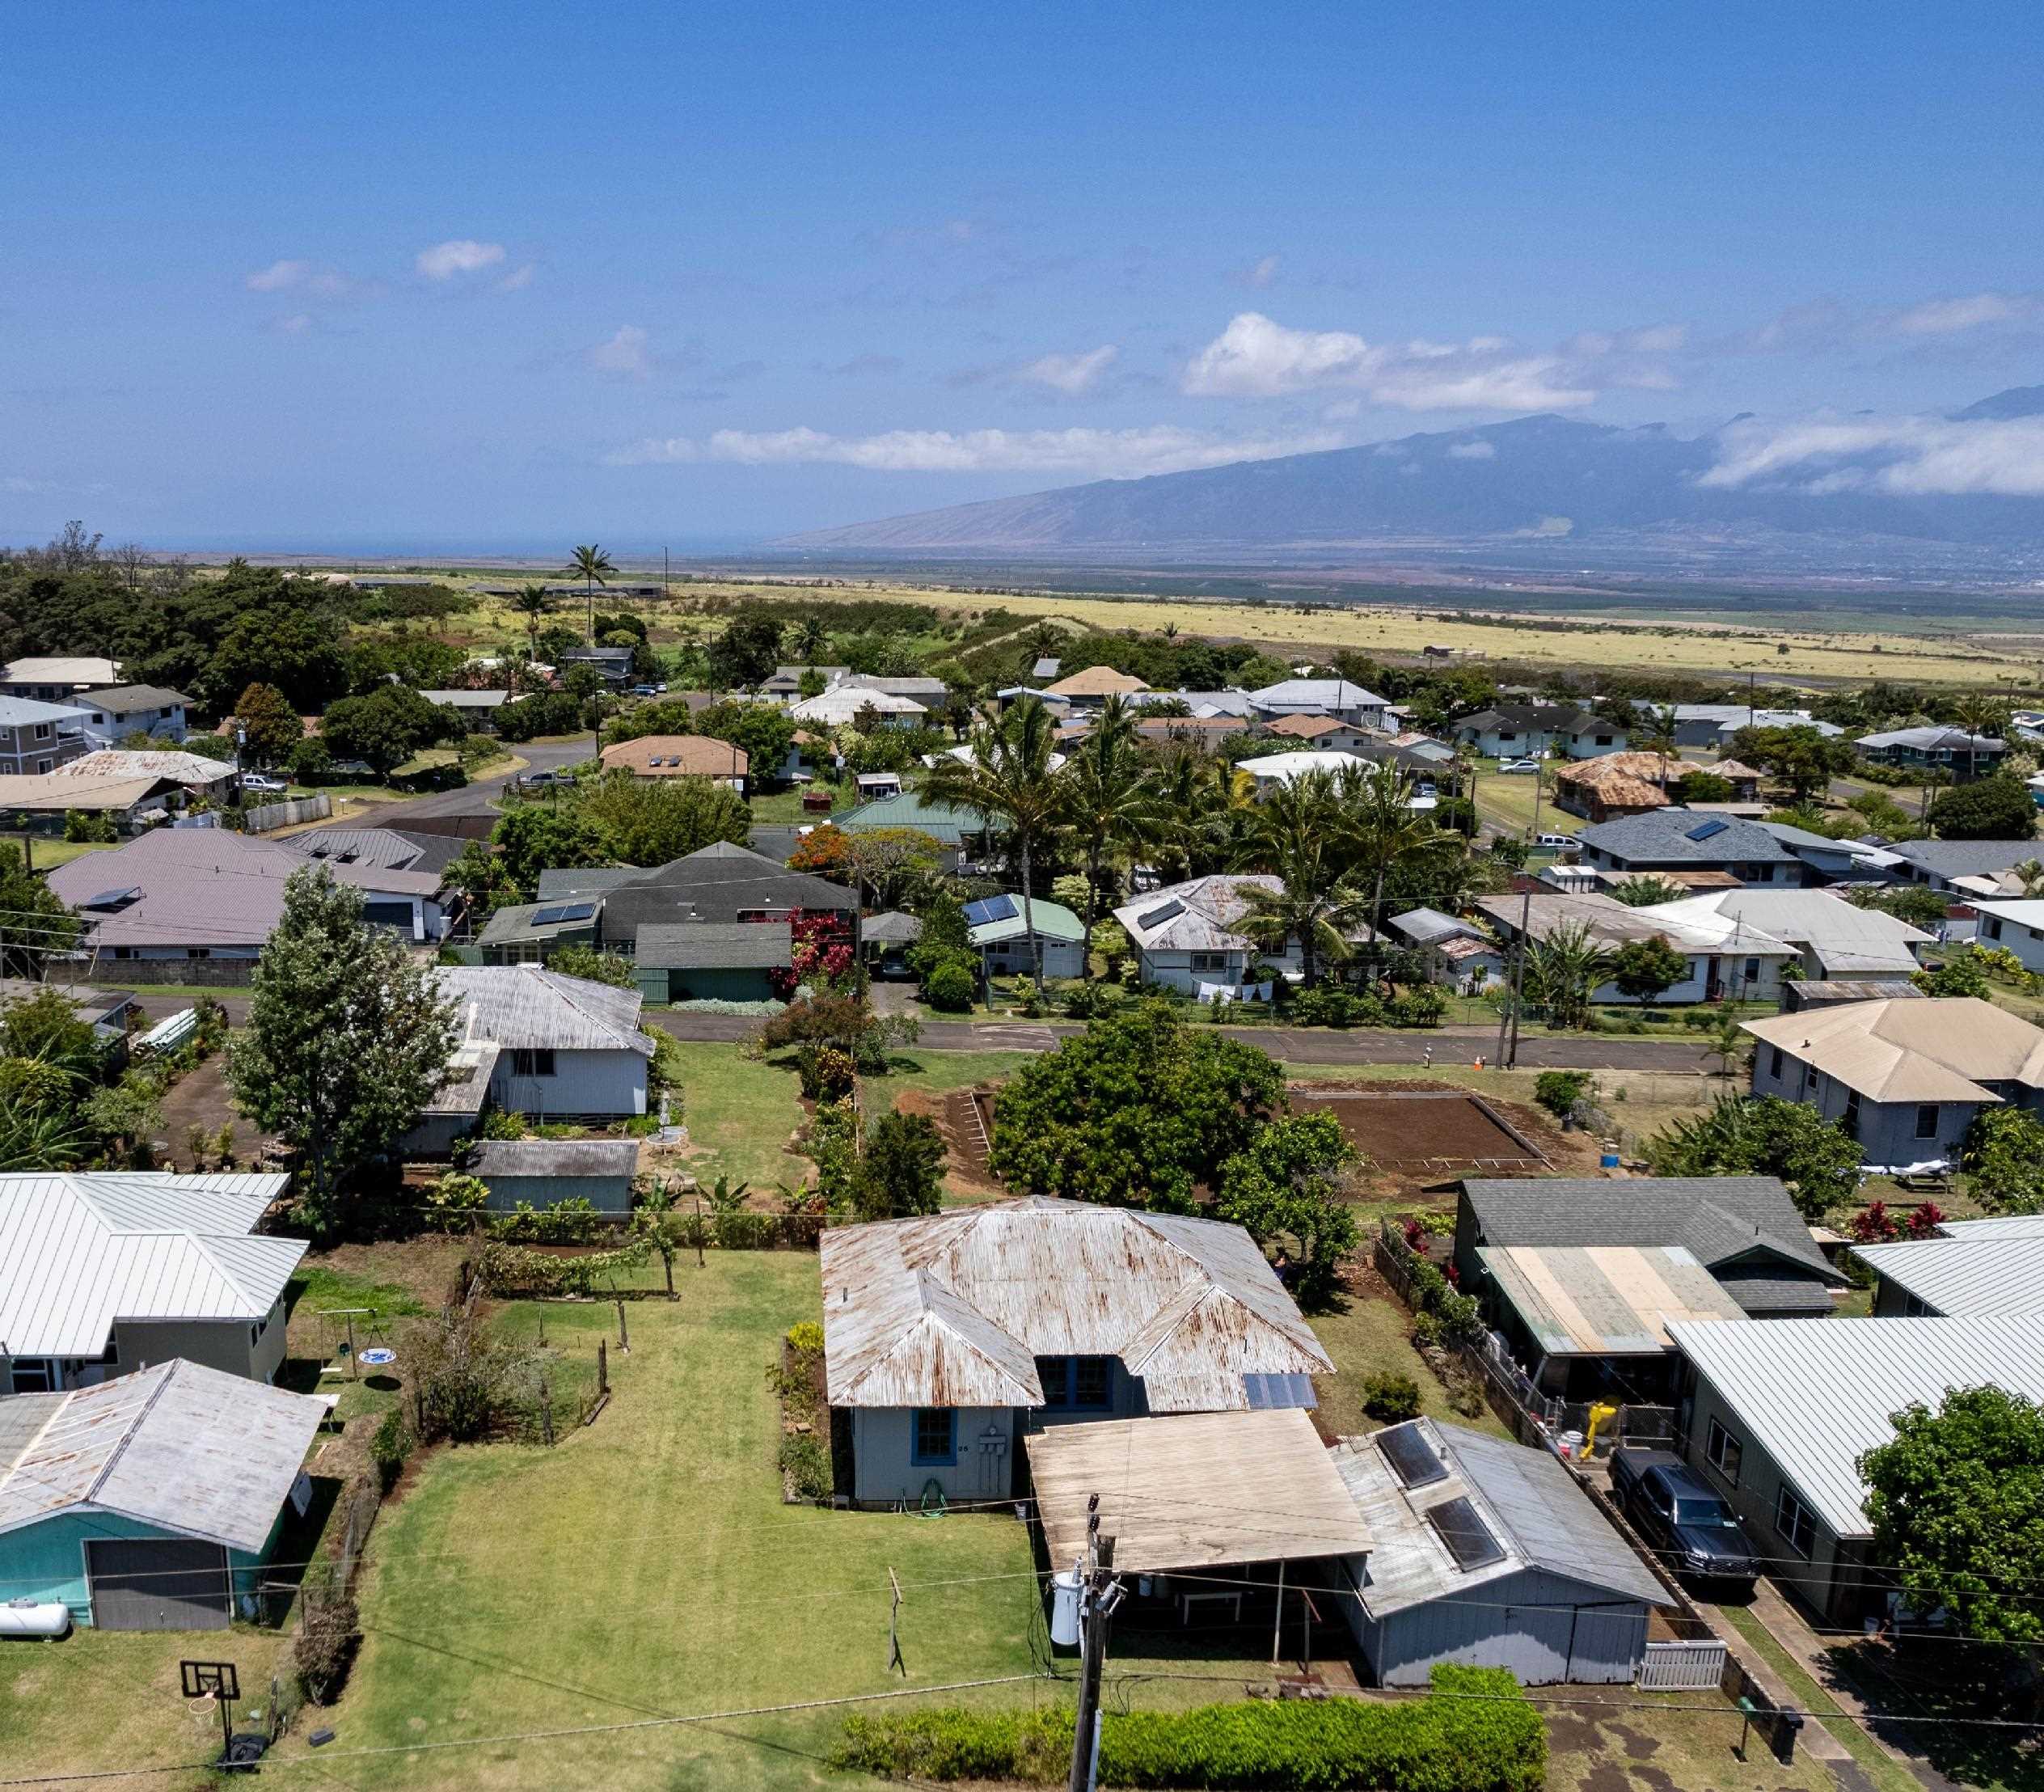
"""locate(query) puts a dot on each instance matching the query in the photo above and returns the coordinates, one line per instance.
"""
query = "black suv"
(1688, 1526)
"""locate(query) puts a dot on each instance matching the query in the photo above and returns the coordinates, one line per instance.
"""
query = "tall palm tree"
(1110, 802)
(1563, 970)
(1979, 713)
(593, 567)
(2029, 876)
(1385, 833)
(1657, 732)
(1006, 778)
(1298, 834)
(811, 639)
(533, 603)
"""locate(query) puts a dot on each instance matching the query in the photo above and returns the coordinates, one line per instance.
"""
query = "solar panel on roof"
(1267, 1391)
(1461, 1528)
(546, 917)
(114, 898)
(990, 908)
(1704, 832)
(1170, 911)
(1411, 1456)
(577, 911)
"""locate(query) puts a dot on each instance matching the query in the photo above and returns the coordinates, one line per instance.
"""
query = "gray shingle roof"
(126, 699)
(1663, 834)
(1966, 858)
(1725, 1220)
(716, 945)
(515, 1157)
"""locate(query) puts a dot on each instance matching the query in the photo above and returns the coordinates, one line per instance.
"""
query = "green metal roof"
(1052, 920)
(942, 821)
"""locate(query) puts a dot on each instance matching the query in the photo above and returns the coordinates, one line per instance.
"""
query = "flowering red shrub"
(1925, 1220)
(1875, 1225)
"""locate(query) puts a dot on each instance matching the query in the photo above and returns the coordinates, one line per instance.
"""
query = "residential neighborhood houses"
(1331, 1137)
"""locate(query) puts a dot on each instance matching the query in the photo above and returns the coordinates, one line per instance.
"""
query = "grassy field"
(46, 854)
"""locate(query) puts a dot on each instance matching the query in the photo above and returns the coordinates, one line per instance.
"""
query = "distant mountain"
(2018, 401)
(1533, 480)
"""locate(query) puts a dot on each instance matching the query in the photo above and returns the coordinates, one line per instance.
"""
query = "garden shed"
(712, 961)
(542, 1172)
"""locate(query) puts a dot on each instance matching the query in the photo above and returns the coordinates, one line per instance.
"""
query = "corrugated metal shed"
(498, 1158)
(1965, 1277)
(185, 1448)
(1605, 1300)
(523, 1006)
(78, 1253)
(1816, 1393)
(952, 1310)
(1197, 1490)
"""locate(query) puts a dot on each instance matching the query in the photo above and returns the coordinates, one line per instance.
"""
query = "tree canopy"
(1999, 808)
(1763, 1136)
(651, 821)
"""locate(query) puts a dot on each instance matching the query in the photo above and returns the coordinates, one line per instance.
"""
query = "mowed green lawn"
(646, 1566)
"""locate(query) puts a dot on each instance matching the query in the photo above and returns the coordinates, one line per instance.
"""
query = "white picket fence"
(1696, 1665)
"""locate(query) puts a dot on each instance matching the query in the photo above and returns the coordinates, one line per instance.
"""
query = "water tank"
(28, 1617)
(1064, 1608)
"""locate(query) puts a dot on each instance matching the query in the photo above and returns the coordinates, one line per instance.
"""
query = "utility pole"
(1098, 1596)
(1519, 976)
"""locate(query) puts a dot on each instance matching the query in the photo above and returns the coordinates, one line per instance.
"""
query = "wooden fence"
(267, 817)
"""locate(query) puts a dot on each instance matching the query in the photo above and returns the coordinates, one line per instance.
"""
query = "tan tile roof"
(1306, 728)
(676, 756)
(1939, 1050)
(1097, 681)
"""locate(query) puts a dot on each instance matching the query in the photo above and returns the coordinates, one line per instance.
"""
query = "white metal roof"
(953, 1310)
(181, 1446)
(78, 1253)
(1816, 1393)
(524, 1006)
(842, 703)
(1283, 768)
(1528, 1501)
(2008, 1225)
(1845, 939)
(1968, 1276)
(1196, 916)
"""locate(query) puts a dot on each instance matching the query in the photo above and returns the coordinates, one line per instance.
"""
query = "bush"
(826, 1072)
(1558, 1091)
(1481, 1735)
(805, 1337)
(327, 1634)
(950, 988)
(807, 1465)
(498, 1124)
(573, 1221)
(1390, 1397)
(389, 1446)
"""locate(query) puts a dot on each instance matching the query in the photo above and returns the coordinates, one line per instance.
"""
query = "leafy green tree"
(1997, 808)
(46, 1027)
(1917, 904)
(533, 602)
(597, 967)
(1700, 787)
(653, 821)
(1285, 1187)
(298, 652)
(1565, 970)
(1137, 1111)
(810, 639)
(1299, 835)
(900, 1170)
(1799, 757)
(1959, 973)
(1644, 968)
(1956, 1501)
(1763, 1136)
(593, 567)
(384, 729)
(537, 837)
(347, 1039)
(1007, 779)
(747, 652)
(33, 922)
(2003, 1157)
(271, 724)
(1109, 804)
(1644, 889)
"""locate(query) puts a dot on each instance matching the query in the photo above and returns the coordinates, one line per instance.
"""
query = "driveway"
(479, 797)
(202, 1098)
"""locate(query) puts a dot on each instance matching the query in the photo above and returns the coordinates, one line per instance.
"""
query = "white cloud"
(458, 256)
(1941, 317)
(519, 278)
(1257, 357)
(1916, 456)
(279, 276)
(1114, 454)
(627, 354)
(1473, 450)
(1070, 375)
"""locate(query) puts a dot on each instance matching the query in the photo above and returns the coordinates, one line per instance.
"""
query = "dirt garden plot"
(965, 1120)
(1418, 1131)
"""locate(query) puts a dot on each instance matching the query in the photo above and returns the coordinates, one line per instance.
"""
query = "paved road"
(1293, 1045)
(478, 798)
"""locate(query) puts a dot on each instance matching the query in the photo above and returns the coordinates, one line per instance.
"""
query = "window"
(935, 1444)
(1796, 1522)
(1210, 961)
(1849, 1121)
(1092, 1381)
(1724, 1451)
(1990, 925)
(43, 765)
(198, 952)
(34, 1377)
(1751, 973)
(532, 1061)
(42, 731)
(1603, 740)
(1774, 1063)
(165, 712)
(1926, 1120)
(1054, 1373)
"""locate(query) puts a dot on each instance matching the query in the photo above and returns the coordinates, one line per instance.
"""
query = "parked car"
(1681, 1518)
(645, 690)
(263, 785)
(1518, 765)
(1557, 843)
(545, 780)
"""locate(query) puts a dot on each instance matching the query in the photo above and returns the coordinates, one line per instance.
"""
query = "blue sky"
(388, 277)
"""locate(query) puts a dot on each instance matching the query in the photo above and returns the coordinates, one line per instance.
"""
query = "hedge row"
(1476, 1733)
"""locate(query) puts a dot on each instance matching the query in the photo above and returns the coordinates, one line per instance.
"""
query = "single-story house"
(1185, 937)
(947, 1338)
(1456, 952)
(114, 713)
(1091, 687)
(2017, 927)
(1615, 784)
(477, 708)
(613, 665)
(1714, 724)
(1945, 865)
(1828, 992)
(885, 941)
(1273, 770)
(932, 693)
(531, 933)
(1833, 938)
(37, 737)
(842, 704)
(131, 805)
(544, 1173)
(1721, 957)
(214, 779)
(873, 786)
(107, 1273)
(1205, 733)
(1584, 1275)
(711, 961)
(1670, 839)
(1905, 1078)
(787, 681)
(456, 1108)
(1950, 749)
(208, 893)
(57, 680)
(995, 929)
(1336, 697)
(656, 756)
(718, 882)
(385, 848)
(1485, 1552)
(155, 1502)
(1322, 733)
(1228, 705)
(964, 833)
(1776, 1417)
(571, 1049)
(1535, 730)
(1974, 1269)
(1829, 861)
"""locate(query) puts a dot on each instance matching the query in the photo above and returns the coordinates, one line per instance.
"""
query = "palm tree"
(1385, 833)
(1563, 970)
(533, 603)
(1006, 778)
(811, 639)
(1979, 713)
(1657, 733)
(2029, 876)
(1204, 806)
(593, 567)
(1110, 800)
(1298, 834)
(1726, 1040)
